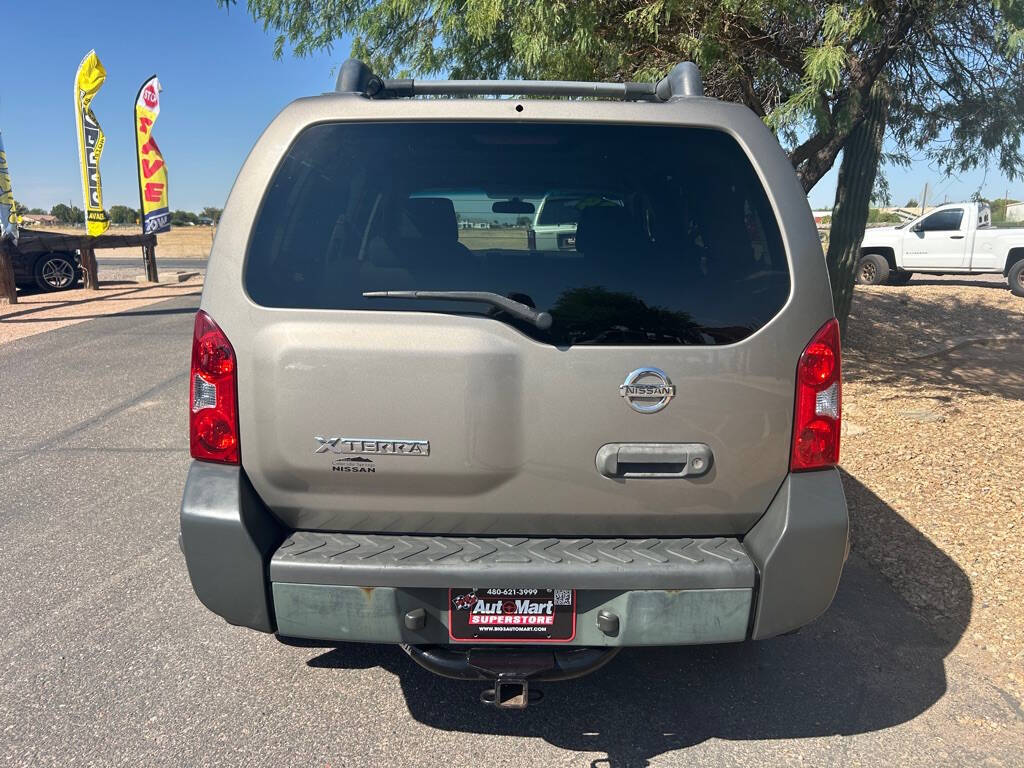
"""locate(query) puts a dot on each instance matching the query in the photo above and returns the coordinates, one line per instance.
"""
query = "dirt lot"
(934, 453)
(179, 243)
(479, 239)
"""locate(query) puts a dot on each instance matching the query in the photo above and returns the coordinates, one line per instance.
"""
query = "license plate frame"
(512, 615)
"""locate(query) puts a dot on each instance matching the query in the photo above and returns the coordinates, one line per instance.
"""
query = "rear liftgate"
(516, 636)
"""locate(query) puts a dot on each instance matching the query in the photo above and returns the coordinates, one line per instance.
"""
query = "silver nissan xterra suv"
(409, 425)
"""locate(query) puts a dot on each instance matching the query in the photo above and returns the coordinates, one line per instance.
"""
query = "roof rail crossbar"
(683, 81)
(624, 91)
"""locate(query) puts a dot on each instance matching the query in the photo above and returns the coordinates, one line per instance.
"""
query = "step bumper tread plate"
(395, 560)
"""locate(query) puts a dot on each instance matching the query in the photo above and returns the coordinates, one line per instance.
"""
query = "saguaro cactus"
(861, 154)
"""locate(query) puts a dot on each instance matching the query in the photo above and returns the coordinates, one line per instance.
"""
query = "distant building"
(1015, 212)
(35, 219)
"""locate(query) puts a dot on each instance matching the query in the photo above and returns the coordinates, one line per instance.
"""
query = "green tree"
(122, 214)
(808, 68)
(183, 218)
(213, 213)
(23, 209)
(912, 203)
(999, 208)
(63, 213)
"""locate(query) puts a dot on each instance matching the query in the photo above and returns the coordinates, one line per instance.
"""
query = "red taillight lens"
(213, 390)
(817, 415)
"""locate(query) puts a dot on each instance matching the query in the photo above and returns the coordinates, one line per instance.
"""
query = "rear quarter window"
(626, 234)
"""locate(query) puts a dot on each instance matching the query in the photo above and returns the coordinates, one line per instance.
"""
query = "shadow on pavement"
(869, 663)
(125, 313)
(58, 299)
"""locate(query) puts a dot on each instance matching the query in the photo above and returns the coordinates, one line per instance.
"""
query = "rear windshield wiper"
(515, 308)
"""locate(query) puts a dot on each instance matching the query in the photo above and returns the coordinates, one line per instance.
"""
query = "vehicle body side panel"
(227, 537)
(799, 547)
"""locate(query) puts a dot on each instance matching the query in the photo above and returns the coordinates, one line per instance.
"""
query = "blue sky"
(221, 87)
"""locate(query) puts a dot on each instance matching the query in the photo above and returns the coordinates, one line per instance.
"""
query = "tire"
(900, 277)
(55, 272)
(1015, 277)
(872, 269)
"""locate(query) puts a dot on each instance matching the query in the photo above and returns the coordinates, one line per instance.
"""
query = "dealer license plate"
(512, 615)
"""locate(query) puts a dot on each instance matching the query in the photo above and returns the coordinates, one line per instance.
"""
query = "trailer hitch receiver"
(510, 670)
(511, 693)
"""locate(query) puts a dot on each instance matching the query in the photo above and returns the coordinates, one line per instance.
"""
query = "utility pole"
(924, 198)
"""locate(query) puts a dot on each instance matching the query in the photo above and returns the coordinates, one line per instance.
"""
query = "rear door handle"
(956, 237)
(653, 460)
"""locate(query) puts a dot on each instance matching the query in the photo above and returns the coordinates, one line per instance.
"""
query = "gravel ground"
(37, 312)
(934, 379)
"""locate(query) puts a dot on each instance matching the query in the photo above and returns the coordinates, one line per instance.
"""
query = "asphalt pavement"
(109, 659)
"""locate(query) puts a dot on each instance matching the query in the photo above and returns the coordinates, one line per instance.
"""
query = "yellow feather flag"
(8, 212)
(88, 80)
(156, 217)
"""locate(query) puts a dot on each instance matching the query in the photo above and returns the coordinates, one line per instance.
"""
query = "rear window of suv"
(664, 234)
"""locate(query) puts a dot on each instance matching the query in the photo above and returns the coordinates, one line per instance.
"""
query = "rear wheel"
(900, 277)
(1016, 278)
(872, 269)
(55, 272)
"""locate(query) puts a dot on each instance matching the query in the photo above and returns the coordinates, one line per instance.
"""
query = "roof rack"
(682, 81)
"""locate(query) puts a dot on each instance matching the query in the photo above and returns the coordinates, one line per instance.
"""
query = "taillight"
(818, 409)
(213, 390)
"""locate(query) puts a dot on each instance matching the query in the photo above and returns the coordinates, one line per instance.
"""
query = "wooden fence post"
(89, 269)
(8, 291)
(149, 257)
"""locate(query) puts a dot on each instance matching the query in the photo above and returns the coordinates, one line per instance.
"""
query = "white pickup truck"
(957, 238)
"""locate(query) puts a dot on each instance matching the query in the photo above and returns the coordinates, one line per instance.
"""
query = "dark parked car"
(45, 270)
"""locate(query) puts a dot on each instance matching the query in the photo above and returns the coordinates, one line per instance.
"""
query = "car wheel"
(55, 272)
(1016, 278)
(900, 277)
(872, 269)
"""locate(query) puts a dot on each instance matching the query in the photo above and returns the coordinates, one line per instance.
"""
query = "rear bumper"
(247, 568)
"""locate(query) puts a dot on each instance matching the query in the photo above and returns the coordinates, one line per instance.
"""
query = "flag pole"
(148, 251)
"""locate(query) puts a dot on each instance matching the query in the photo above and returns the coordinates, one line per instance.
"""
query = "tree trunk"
(8, 291)
(861, 155)
(90, 272)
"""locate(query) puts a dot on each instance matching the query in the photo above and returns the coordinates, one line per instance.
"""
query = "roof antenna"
(683, 80)
(354, 77)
